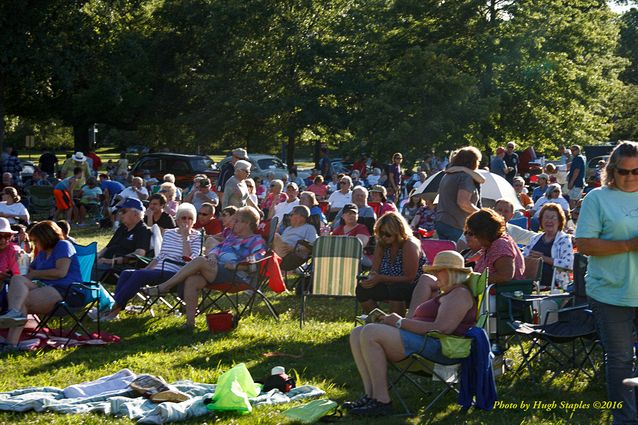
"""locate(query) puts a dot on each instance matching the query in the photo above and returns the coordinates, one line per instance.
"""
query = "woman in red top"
(274, 197)
(485, 233)
(449, 308)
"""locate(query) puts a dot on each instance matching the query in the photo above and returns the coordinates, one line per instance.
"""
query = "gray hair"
(186, 209)
(361, 189)
(301, 210)
(278, 183)
(551, 188)
(624, 149)
(169, 178)
(138, 213)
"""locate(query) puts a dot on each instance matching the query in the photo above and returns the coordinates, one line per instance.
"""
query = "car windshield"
(201, 164)
(270, 164)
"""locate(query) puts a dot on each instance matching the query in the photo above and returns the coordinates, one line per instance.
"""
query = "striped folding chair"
(335, 266)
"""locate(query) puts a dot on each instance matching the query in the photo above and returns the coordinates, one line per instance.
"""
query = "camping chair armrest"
(251, 266)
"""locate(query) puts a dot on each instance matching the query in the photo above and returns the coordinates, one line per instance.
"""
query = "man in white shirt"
(283, 208)
(136, 191)
(506, 209)
(340, 197)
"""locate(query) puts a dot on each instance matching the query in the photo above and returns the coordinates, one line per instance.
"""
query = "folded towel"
(115, 382)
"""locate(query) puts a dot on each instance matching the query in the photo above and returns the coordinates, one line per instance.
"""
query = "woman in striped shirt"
(220, 265)
(178, 245)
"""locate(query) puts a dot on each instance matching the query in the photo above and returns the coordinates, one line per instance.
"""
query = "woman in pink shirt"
(8, 252)
(318, 188)
(485, 232)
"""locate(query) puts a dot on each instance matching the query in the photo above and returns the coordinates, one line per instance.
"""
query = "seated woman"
(11, 208)
(448, 308)
(350, 226)
(485, 233)
(552, 194)
(51, 273)
(553, 246)
(220, 265)
(183, 241)
(396, 265)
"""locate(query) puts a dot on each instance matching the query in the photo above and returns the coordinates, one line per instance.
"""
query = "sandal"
(152, 291)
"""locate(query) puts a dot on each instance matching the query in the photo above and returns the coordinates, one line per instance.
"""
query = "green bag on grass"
(233, 389)
(311, 412)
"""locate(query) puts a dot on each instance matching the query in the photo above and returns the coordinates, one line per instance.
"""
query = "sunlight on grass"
(318, 354)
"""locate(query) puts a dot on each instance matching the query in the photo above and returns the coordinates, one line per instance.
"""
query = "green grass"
(321, 357)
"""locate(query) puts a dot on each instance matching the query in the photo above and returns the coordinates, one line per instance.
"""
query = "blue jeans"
(131, 281)
(447, 232)
(617, 330)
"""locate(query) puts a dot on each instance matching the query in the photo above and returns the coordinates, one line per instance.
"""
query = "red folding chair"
(431, 247)
(263, 273)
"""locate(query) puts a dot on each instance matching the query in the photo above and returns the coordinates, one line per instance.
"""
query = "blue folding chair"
(94, 296)
(519, 221)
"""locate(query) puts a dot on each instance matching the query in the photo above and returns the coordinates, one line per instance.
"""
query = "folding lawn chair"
(40, 198)
(431, 247)
(520, 222)
(96, 295)
(261, 276)
(448, 374)
(574, 327)
(335, 267)
(497, 326)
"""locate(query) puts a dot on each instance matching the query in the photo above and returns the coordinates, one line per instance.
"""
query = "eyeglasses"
(469, 233)
(626, 172)
(187, 218)
(6, 235)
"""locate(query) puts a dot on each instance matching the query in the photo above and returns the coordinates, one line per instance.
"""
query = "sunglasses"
(344, 182)
(468, 233)
(6, 235)
(385, 234)
(626, 172)
(555, 191)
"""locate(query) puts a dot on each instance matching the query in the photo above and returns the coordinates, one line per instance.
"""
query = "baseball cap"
(351, 208)
(132, 203)
(240, 153)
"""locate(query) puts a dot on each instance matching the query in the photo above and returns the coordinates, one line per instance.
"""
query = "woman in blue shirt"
(607, 231)
(48, 281)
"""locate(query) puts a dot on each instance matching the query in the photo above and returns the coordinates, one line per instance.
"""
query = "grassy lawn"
(320, 356)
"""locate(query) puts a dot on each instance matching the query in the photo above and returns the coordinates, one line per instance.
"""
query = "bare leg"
(81, 214)
(192, 287)
(425, 289)
(199, 265)
(355, 347)
(368, 306)
(380, 343)
(29, 298)
(397, 307)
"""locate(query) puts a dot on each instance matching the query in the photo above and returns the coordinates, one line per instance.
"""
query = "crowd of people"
(210, 228)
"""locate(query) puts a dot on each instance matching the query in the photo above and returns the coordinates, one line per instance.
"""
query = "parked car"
(593, 163)
(27, 170)
(262, 165)
(184, 167)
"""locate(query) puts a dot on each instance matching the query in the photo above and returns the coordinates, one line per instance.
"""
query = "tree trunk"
(1, 115)
(81, 141)
(317, 153)
(290, 149)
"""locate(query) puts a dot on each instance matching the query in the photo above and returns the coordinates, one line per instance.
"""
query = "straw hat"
(450, 260)
(5, 227)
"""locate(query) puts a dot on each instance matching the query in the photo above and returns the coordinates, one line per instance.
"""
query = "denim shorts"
(426, 346)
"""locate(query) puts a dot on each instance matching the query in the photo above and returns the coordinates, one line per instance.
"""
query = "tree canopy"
(375, 75)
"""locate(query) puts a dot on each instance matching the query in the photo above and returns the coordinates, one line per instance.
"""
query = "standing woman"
(607, 231)
(394, 176)
(459, 193)
(396, 266)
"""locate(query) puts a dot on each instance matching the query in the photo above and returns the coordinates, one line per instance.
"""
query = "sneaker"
(12, 319)
(373, 408)
(362, 401)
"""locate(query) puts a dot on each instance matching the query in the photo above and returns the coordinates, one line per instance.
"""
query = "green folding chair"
(335, 265)
(447, 374)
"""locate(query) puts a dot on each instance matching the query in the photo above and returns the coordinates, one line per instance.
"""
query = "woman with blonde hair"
(169, 190)
(274, 197)
(396, 265)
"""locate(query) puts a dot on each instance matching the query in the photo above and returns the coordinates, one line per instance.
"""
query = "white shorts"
(575, 193)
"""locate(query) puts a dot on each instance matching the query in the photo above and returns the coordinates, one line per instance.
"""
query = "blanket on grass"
(53, 338)
(111, 395)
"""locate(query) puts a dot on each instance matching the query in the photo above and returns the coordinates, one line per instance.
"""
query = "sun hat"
(5, 227)
(450, 260)
(240, 153)
(243, 165)
(79, 157)
(380, 189)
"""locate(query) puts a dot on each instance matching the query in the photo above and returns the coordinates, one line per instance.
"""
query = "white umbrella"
(494, 188)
